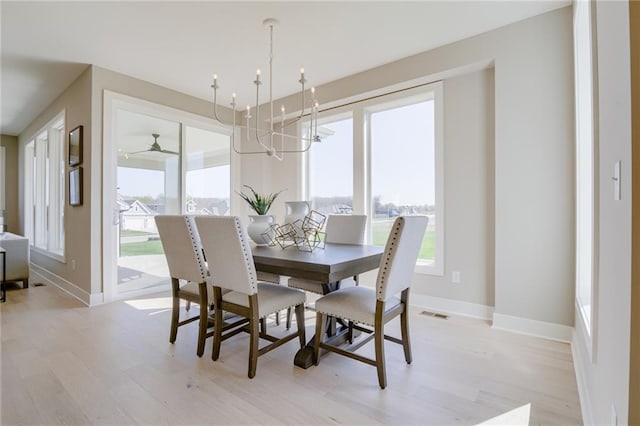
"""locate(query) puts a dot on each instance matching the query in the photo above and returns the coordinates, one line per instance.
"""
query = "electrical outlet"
(73, 264)
(455, 277)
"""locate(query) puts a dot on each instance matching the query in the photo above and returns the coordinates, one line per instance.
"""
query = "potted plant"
(259, 203)
(261, 221)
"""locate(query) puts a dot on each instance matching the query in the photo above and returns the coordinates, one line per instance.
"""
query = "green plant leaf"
(259, 203)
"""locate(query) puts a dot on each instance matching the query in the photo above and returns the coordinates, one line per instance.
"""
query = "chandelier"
(271, 136)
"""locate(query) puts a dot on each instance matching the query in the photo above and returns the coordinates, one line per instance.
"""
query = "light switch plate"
(616, 181)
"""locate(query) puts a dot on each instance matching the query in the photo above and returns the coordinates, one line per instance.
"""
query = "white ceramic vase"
(296, 210)
(259, 225)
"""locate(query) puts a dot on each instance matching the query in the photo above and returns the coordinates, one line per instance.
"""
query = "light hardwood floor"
(64, 363)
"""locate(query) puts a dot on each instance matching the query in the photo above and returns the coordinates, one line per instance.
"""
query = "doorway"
(157, 161)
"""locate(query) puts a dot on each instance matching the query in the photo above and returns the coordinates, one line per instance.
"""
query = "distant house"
(191, 207)
(216, 208)
(138, 216)
(220, 208)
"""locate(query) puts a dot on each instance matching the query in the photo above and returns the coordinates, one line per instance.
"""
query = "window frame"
(585, 94)
(49, 188)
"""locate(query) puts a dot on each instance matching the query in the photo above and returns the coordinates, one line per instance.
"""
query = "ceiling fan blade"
(137, 152)
(166, 151)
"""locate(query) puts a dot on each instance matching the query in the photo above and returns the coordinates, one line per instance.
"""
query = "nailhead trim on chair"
(389, 253)
(248, 258)
(195, 240)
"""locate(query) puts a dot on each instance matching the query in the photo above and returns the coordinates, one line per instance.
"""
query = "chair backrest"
(346, 228)
(400, 255)
(182, 247)
(228, 253)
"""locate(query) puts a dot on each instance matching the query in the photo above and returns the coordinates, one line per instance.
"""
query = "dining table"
(326, 265)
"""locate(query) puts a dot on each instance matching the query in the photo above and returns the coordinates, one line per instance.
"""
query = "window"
(402, 141)
(45, 188)
(383, 157)
(331, 167)
(585, 205)
(208, 176)
(2, 187)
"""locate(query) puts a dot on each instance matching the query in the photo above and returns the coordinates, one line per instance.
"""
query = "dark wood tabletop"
(331, 263)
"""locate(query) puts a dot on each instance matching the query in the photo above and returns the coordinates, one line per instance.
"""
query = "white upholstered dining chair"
(231, 264)
(376, 307)
(188, 271)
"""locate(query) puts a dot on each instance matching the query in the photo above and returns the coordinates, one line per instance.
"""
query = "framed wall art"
(75, 146)
(75, 186)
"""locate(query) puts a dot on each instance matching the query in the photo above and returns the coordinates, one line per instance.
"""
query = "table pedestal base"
(304, 357)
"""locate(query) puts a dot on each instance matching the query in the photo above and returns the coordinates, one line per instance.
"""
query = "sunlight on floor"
(516, 417)
(153, 303)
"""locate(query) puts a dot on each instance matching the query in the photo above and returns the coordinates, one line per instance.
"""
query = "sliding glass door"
(148, 184)
(165, 161)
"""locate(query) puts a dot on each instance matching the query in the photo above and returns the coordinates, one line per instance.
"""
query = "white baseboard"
(69, 287)
(580, 366)
(547, 330)
(450, 306)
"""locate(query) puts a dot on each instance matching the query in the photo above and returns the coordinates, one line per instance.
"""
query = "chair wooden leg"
(404, 329)
(204, 318)
(175, 317)
(217, 332)
(289, 315)
(350, 333)
(320, 329)
(299, 323)
(379, 342)
(253, 346)
(277, 314)
(202, 329)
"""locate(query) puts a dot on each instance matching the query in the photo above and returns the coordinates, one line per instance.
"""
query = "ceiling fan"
(155, 147)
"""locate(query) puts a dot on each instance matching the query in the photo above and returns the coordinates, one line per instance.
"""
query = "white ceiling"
(180, 45)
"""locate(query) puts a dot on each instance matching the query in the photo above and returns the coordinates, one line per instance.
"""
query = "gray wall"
(11, 184)
(520, 255)
(603, 373)
(75, 101)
